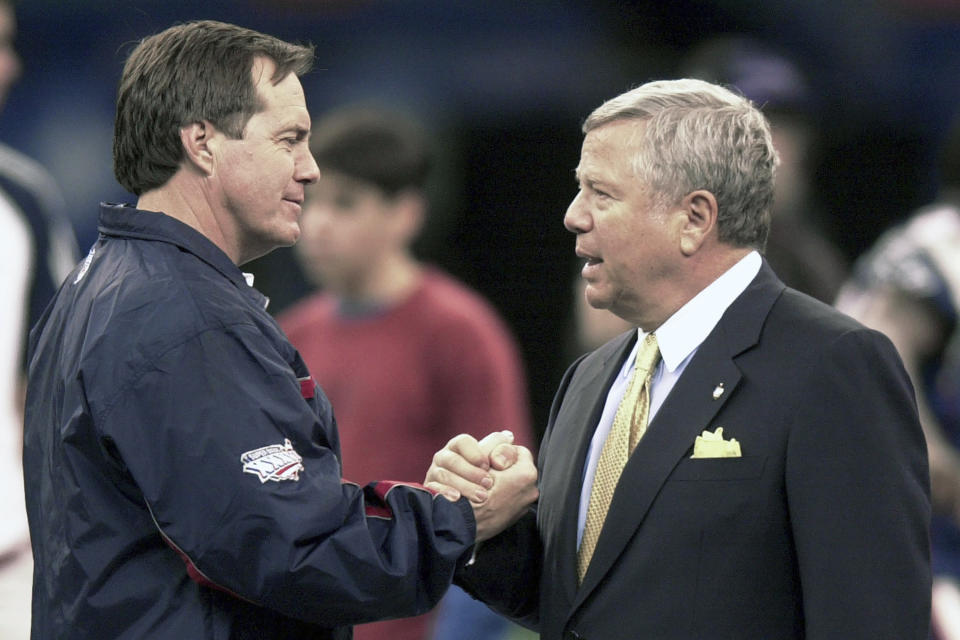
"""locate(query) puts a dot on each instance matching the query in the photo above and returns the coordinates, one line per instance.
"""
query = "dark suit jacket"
(819, 530)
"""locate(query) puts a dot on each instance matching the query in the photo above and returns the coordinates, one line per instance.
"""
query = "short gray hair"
(702, 136)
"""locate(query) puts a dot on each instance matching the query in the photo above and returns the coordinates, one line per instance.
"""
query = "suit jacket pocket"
(703, 469)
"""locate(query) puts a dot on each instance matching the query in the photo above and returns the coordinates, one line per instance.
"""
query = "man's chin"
(288, 237)
(269, 245)
(596, 298)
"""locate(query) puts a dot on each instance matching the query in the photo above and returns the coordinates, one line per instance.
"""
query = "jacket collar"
(126, 221)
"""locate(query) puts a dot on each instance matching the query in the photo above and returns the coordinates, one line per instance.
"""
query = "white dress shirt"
(679, 338)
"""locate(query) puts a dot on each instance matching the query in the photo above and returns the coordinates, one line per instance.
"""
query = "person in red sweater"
(409, 356)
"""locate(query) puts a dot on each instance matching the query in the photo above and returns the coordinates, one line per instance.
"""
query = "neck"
(704, 269)
(185, 201)
(391, 281)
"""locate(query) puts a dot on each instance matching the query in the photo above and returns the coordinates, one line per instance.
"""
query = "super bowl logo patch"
(274, 462)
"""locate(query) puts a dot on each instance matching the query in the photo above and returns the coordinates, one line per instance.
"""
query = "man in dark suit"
(778, 484)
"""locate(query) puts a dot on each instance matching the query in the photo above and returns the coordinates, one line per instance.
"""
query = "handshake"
(495, 475)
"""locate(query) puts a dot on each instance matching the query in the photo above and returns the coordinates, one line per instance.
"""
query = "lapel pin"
(718, 391)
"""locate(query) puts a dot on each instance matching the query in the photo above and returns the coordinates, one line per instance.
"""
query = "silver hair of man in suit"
(702, 136)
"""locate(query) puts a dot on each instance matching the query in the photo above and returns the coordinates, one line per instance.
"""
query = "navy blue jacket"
(182, 468)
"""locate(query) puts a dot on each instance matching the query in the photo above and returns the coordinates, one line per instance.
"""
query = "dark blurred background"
(505, 85)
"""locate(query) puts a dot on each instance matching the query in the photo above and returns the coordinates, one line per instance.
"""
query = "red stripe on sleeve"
(196, 575)
(377, 502)
(307, 387)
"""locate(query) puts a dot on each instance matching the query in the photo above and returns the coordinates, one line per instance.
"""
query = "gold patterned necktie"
(628, 427)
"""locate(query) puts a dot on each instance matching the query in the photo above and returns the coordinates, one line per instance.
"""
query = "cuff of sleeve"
(470, 553)
(467, 511)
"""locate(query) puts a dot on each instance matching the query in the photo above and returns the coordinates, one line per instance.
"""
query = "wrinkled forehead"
(282, 102)
(262, 70)
(612, 144)
(627, 131)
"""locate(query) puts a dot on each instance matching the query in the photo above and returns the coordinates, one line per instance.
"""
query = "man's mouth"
(295, 202)
(589, 259)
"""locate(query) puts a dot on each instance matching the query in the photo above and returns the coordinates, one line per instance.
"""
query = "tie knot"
(648, 355)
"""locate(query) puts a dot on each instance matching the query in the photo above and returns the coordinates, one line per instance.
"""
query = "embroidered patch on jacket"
(274, 462)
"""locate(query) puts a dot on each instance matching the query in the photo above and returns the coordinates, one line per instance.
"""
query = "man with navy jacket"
(182, 467)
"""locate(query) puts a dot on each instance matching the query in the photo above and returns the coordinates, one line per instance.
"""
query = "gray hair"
(702, 136)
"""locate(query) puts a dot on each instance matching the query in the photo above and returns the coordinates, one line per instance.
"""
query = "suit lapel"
(688, 410)
(562, 478)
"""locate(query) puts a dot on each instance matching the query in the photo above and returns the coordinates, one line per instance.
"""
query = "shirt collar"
(686, 329)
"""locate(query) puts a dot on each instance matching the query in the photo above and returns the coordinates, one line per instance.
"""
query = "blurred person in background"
(800, 247)
(408, 356)
(908, 286)
(38, 250)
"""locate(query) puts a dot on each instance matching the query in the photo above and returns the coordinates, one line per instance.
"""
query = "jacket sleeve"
(858, 493)
(236, 460)
(504, 572)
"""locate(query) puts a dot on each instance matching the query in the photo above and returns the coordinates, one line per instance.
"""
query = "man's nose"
(576, 219)
(307, 169)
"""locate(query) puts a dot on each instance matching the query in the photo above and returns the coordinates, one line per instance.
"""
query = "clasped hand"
(498, 477)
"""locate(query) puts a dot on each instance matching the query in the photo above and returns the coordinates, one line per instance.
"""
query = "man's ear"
(196, 139)
(700, 210)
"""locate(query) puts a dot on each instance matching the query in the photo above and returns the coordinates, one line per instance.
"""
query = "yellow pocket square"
(712, 445)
